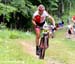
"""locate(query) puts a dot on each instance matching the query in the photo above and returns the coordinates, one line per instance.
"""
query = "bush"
(14, 35)
(2, 25)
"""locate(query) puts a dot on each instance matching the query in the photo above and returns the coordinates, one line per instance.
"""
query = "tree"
(6, 10)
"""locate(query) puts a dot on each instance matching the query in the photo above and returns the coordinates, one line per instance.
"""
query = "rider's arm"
(33, 21)
(52, 20)
(72, 20)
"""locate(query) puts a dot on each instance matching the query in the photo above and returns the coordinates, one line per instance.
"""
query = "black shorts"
(69, 31)
(40, 24)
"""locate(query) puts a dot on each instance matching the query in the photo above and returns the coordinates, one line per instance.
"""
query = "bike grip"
(54, 28)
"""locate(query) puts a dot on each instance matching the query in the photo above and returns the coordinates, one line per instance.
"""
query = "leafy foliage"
(26, 9)
(6, 10)
(2, 25)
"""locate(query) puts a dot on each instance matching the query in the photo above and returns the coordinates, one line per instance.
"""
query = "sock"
(37, 47)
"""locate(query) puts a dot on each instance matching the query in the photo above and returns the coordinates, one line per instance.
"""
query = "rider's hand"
(36, 26)
(54, 27)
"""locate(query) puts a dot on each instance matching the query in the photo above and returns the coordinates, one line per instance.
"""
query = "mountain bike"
(44, 41)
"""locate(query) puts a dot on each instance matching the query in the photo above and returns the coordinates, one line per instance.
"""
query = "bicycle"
(44, 41)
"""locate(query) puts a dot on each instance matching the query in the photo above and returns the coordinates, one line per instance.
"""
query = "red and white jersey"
(43, 16)
(73, 18)
(69, 26)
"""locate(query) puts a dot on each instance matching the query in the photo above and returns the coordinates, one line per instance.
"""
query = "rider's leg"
(37, 39)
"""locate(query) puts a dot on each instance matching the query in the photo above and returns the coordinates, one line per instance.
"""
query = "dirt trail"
(29, 47)
(31, 50)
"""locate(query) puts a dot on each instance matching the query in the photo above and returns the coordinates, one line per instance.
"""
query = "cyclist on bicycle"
(38, 21)
(73, 19)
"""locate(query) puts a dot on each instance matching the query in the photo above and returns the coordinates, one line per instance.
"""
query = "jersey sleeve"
(46, 14)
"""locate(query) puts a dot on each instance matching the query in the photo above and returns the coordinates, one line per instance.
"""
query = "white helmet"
(41, 7)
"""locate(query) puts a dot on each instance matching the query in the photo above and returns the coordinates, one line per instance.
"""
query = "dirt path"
(29, 47)
(31, 50)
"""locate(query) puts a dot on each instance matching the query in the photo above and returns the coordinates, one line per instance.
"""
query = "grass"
(60, 48)
(11, 52)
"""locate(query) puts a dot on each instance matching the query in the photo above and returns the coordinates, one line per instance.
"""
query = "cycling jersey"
(43, 16)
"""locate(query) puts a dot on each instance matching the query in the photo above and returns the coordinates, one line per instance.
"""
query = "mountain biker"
(69, 30)
(38, 21)
(73, 19)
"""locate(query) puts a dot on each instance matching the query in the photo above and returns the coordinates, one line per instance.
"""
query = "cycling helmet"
(41, 7)
(73, 17)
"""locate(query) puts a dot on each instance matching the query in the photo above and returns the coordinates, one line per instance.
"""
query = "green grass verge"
(11, 52)
(60, 48)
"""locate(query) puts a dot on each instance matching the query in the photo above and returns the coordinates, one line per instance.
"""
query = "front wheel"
(42, 53)
(43, 46)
